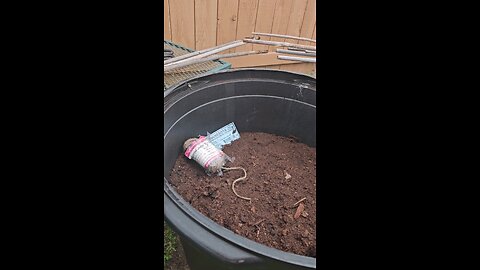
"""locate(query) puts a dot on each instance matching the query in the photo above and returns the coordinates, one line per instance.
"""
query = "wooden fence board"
(200, 24)
(247, 17)
(167, 32)
(182, 22)
(205, 24)
(297, 14)
(309, 21)
(266, 11)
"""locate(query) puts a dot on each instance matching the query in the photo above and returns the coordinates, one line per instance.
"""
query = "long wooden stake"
(302, 53)
(280, 44)
(300, 59)
(192, 54)
(284, 36)
(207, 59)
(209, 53)
(301, 50)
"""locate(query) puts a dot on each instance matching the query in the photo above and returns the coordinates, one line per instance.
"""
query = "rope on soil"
(238, 180)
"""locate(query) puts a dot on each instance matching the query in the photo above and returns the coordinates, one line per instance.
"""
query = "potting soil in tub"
(280, 173)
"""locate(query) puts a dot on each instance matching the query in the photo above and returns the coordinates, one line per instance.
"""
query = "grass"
(169, 243)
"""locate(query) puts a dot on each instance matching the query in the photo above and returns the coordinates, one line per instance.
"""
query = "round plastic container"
(275, 102)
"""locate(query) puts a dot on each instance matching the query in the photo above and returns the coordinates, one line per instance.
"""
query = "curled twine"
(238, 180)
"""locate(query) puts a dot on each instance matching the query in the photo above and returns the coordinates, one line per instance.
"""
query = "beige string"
(238, 180)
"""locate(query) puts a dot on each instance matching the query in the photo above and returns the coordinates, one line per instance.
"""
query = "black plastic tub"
(275, 102)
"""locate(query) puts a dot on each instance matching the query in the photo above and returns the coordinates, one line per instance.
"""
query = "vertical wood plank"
(183, 22)
(296, 19)
(264, 24)
(305, 68)
(227, 21)
(205, 24)
(308, 26)
(247, 17)
(314, 36)
(281, 19)
(167, 34)
(200, 24)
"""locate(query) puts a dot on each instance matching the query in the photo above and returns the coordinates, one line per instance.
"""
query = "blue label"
(224, 136)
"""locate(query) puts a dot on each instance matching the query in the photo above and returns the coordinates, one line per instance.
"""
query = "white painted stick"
(284, 36)
(301, 50)
(207, 59)
(280, 44)
(302, 53)
(210, 52)
(300, 59)
(192, 54)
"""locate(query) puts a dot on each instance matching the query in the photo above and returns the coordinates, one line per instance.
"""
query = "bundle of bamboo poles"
(212, 54)
(309, 52)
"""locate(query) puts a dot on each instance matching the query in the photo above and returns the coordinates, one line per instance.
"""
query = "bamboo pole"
(281, 44)
(302, 53)
(192, 54)
(284, 36)
(301, 50)
(207, 59)
(209, 52)
(299, 59)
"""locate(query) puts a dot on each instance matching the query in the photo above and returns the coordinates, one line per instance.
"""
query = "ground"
(173, 255)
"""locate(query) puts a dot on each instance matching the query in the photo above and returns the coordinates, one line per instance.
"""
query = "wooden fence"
(200, 24)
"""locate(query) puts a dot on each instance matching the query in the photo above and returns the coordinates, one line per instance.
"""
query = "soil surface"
(281, 172)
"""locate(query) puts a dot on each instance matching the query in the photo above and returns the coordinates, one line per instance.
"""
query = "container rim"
(211, 226)
(170, 90)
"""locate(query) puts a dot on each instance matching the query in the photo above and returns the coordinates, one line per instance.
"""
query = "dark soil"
(281, 172)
